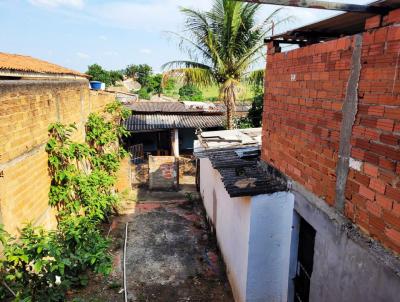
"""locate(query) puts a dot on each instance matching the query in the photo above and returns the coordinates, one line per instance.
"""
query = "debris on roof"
(13, 65)
(227, 139)
(244, 176)
(152, 122)
(235, 154)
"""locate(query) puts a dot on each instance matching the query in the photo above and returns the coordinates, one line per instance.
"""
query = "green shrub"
(144, 94)
(190, 92)
(41, 265)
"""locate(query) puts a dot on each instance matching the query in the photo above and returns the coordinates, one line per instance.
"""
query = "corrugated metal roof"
(149, 122)
(245, 176)
(341, 25)
(173, 107)
(182, 107)
(26, 64)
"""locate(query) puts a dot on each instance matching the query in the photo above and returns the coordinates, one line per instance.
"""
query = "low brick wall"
(163, 172)
(27, 108)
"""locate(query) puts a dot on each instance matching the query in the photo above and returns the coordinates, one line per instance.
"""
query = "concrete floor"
(171, 256)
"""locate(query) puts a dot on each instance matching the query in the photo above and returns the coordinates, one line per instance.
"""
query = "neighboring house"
(168, 128)
(251, 211)
(14, 67)
(331, 127)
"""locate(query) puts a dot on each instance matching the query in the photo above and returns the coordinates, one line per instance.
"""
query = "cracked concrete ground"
(171, 256)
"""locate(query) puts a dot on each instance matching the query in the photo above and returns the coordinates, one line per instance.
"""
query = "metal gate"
(137, 154)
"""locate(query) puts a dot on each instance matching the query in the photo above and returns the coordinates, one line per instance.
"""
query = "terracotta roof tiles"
(26, 64)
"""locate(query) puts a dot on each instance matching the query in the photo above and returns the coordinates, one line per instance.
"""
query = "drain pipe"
(124, 262)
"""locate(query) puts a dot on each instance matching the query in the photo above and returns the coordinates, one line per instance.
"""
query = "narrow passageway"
(171, 255)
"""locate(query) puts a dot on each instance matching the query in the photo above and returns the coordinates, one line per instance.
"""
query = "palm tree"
(223, 45)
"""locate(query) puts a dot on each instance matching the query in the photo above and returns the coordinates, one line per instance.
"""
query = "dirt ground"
(171, 256)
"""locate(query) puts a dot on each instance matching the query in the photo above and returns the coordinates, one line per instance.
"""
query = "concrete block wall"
(163, 172)
(27, 108)
(305, 93)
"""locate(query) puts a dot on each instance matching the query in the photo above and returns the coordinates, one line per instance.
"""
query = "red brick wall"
(305, 91)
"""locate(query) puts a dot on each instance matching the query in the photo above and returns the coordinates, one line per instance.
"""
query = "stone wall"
(27, 108)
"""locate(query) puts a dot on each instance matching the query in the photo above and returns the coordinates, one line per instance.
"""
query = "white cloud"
(104, 38)
(82, 55)
(58, 3)
(145, 51)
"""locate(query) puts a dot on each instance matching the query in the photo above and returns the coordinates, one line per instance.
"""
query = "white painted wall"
(269, 247)
(254, 235)
(232, 226)
(208, 177)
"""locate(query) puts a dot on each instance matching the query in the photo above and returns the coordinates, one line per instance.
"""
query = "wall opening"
(305, 261)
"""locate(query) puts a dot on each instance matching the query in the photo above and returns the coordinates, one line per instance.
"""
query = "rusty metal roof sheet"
(25, 64)
(341, 25)
(243, 175)
(152, 122)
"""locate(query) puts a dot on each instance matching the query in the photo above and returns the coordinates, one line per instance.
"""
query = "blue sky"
(77, 33)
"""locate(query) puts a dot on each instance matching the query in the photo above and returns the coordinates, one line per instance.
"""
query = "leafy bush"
(144, 94)
(41, 265)
(190, 92)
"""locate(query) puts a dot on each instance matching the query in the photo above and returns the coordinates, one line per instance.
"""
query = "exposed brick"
(367, 193)
(394, 16)
(374, 208)
(392, 192)
(393, 235)
(384, 202)
(30, 109)
(377, 185)
(373, 22)
(302, 121)
(371, 170)
(391, 220)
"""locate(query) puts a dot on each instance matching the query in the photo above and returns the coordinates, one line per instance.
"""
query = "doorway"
(305, 261)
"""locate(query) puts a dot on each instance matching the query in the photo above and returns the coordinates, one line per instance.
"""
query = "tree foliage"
(223, 45)
(97, 73)
(190, 92)
(140, 73)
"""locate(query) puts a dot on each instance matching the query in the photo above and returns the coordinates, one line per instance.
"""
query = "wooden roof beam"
(325, 5)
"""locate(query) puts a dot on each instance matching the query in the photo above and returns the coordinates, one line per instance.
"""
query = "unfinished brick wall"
(304, 94)
(26, 110)
(305, 91)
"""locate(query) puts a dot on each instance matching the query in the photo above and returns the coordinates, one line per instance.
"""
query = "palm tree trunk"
(228, 92)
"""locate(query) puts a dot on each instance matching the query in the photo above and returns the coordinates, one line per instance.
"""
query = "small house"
(168, 128)
(250, 210)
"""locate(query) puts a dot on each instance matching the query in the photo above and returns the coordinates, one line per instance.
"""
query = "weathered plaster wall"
(347, 266)
(254, 236)
(232, 217)
(26, 110)
(269, 247)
